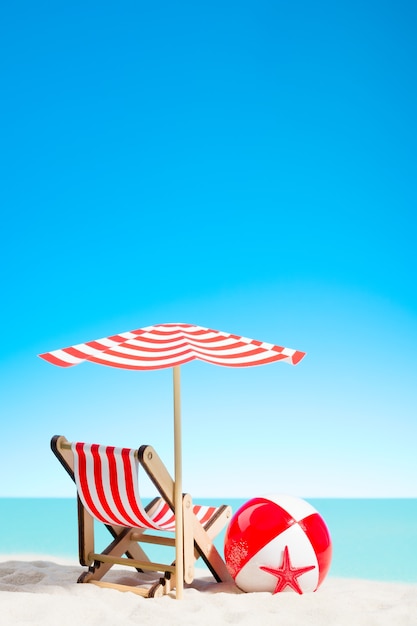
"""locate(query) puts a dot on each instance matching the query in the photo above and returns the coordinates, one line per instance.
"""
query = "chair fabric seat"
(107, 483)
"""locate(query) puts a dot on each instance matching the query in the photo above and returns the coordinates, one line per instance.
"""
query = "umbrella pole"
(179, 534)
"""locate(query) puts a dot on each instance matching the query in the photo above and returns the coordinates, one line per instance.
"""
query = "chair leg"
(188, 538)
(205, 548)
(162, 587)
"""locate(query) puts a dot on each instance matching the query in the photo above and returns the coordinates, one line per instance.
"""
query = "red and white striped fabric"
(107, 483)
(168, 345)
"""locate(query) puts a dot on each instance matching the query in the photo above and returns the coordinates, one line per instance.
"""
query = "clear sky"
(249, 166)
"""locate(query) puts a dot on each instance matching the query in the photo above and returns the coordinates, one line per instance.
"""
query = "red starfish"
(287, 575)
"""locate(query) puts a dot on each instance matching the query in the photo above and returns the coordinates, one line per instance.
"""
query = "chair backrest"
(107, 484)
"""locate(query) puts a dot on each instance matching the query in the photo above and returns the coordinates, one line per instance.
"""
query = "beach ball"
(277, 543)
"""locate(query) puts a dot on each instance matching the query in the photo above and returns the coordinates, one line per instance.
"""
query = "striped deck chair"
(107, 480)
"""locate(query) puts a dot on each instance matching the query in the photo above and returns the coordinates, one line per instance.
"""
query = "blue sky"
(246, 166)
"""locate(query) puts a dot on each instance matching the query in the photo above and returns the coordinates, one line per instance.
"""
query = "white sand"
(42, 591)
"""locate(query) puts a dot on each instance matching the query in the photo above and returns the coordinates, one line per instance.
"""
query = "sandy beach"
(42, 591)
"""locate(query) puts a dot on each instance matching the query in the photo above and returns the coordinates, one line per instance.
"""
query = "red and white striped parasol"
(169, 345)
(172, 345)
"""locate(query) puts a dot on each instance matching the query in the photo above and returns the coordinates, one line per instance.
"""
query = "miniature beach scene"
(207, 370)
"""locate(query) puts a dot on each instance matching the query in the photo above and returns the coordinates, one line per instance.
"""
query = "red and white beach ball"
(277, 543)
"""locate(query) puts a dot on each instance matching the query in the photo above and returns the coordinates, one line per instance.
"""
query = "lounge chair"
(107, 480)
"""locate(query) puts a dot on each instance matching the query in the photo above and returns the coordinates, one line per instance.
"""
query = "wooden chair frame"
(197, 539)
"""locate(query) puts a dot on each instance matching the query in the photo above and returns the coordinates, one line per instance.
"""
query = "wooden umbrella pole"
(179, 534)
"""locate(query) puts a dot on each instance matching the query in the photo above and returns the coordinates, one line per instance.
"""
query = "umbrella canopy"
(172, 345)
(169, 345)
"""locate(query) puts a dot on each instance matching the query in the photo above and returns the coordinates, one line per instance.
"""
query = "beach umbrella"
(172, 345)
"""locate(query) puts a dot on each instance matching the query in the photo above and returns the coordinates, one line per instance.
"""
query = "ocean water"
(374, 539)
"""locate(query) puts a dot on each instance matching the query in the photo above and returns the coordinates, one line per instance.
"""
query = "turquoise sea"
(374, 539)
